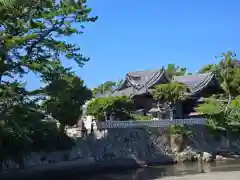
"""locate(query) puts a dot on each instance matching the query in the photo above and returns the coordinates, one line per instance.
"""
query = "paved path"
(233, 175)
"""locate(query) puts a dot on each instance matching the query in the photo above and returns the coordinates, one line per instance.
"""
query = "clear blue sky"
(133, 35)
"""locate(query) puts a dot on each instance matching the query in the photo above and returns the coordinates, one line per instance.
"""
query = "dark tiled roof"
(137, 83)
(124, 92)
(195, 82)
(141, 82)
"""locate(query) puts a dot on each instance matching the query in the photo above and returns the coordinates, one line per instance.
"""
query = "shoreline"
(233, 175)
(80, 167)
(85, 167)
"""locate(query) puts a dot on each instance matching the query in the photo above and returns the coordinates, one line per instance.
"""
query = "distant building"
(139, 86)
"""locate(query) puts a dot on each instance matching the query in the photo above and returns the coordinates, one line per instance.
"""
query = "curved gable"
(197, 82)
(137, 83)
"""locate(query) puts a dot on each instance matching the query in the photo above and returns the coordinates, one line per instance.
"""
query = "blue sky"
(133, 35)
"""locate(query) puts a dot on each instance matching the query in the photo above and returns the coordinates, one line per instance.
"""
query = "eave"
(199, 86)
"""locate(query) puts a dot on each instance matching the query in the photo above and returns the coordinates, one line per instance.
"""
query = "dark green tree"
(66, 95)
(170, 93)
(32, 37)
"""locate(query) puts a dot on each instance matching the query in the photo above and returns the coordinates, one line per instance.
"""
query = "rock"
(219, 157)
(235, 156)
(207, 157)
(9, 164)
(198, 157)
(185, 156)
(192, 155)
(75, 154)
(176, 143)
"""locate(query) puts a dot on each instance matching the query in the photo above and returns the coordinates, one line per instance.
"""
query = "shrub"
(118, 107)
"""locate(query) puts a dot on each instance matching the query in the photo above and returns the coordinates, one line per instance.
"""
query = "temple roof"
(196, 82)
(138, 83)
(143, 82)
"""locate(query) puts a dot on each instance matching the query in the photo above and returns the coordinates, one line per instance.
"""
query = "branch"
(42, 36)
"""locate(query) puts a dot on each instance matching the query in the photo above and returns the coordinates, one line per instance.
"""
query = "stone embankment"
(131, 147)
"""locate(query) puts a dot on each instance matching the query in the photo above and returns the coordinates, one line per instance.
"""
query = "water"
(151, 173)
(148, 173)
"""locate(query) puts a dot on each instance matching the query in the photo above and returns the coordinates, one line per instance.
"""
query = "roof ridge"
(152, 70)
(191, 75)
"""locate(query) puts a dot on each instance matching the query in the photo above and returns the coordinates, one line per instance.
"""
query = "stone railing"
(149, 123)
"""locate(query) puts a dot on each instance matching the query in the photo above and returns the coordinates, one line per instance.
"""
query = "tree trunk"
(2, 64)
(171, 114)
(229, 102)
(171, 111)
(158, 113)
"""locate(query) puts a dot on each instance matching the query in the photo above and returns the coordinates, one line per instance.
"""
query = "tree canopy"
(223, 109)
(208, 68)
(32, 37)
(174, 70)
(115, 106)
(66, 97)
(108, 86)
(170, 93)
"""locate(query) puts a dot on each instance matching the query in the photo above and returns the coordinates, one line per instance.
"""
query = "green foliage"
(140, 117)
(18, 139)
(211, 107)
(223, 110)
(214, 110)
(236, 102)
(22, 129)
(229, 74)
(66, 95)
(208, 68)
(179, 130)
(108, 86)
(173, 70)
(32, 39)
(118, 107)
(234, 111)
(170, 93)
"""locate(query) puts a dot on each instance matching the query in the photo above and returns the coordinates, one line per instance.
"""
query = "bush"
(179, 130)
(20, 139)
(140, 117)
(118, 107)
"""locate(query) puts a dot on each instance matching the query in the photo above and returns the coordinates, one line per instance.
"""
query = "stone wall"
(143, 145)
